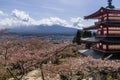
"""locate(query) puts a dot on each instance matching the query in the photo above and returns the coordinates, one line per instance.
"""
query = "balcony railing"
(112, 49)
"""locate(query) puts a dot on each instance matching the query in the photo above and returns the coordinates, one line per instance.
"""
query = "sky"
(68, 13)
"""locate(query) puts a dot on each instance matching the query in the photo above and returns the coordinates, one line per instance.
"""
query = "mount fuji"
(43, 29)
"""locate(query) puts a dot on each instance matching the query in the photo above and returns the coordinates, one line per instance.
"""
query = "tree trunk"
(42, 74)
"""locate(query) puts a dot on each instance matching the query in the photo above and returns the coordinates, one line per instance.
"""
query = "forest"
(55, 61)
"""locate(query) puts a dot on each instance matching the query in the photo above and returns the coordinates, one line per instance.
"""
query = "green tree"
(87, 34)
(94, 33)
(77, 38)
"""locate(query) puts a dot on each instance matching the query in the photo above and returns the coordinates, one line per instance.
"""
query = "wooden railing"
(111, 49)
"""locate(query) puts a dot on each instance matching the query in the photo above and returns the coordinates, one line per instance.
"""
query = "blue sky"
(47, 9)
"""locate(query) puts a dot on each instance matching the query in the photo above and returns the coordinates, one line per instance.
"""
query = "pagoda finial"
(110, 6)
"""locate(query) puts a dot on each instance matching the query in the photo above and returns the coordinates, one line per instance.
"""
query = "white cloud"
(21, 15)
(11, 22)
(78, 19)
(77, 22)
(21, 18)
(2, 13)
(54, 21)
(17, 18)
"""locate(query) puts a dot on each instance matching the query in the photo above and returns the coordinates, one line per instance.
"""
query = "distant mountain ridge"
(43, 29)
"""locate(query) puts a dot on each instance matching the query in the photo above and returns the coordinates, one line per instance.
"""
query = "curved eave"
(100, 12)
(110, 24)
(94, 15)
(91, 40)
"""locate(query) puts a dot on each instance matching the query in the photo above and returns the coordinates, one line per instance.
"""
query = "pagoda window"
(99, 32)
(105, 18)
(104, 47)
(105, 32)
(100, 44)
(97, 45)
(101, 26)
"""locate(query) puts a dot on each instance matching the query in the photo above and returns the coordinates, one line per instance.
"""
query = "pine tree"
(94, 33)
(77, 38)
(87, 34)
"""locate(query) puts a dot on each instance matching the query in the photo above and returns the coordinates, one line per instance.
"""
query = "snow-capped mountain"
(43, 29)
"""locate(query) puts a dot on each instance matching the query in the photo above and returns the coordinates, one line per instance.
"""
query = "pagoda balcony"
(98, 49)
(110, 33)
(110, 49)
(107, 51)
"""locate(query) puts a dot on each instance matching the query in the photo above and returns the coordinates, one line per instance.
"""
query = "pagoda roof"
(102, 11)
(114, 40)
(92, 39)
(106, 23)
(92, 53)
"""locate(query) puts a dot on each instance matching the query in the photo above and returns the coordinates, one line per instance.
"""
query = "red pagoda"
(107, 39)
